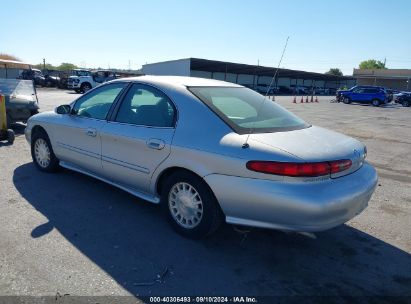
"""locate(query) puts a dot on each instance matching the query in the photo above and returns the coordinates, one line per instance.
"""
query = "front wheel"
(10, 136)
(375, 102)
(347, 100)
(42, 153)
(190, 205)
(85, 87)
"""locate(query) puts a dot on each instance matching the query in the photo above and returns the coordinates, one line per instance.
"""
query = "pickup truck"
(364, 94)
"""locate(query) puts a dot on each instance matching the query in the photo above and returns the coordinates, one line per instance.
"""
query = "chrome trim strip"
(144, 196)
(79, 150)
(125, 164)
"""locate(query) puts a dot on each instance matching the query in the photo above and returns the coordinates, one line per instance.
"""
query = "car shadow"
(130, 240)
(384, 106)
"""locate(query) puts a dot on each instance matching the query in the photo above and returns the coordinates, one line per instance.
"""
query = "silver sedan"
(207, 151)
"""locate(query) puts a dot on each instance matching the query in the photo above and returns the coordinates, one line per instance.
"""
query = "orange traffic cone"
(295, 99)
(312, 98)
(306, 99)
(302, 99)
(316, 99)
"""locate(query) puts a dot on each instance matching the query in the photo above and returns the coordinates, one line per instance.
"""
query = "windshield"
(81, 73)
(246, 111)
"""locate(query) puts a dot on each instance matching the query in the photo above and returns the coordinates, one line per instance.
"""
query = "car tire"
(77, 91)
(375, 102)
(346, 100)
(10, 136)
(405, 103)
(85, 87)
(190, 205)
(42, 152)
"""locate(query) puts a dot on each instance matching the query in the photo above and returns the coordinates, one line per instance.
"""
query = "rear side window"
(146, 106)
(372, 91)
(245, 110)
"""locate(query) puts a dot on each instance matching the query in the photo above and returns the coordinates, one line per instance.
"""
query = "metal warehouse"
(244, 74)
(398, 79)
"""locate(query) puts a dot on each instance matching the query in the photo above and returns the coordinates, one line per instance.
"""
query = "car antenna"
(246, 145)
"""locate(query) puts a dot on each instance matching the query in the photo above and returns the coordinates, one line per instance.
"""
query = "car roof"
(181, 81)
(369, 86)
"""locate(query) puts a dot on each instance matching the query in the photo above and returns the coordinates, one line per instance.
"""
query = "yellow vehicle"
(5, 134)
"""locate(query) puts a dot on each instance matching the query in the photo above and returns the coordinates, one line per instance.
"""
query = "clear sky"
(323, 33)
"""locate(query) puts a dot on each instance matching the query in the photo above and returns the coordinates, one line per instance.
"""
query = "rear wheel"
(376, 102)
(42, 152)
(405, 103)
(190, 205)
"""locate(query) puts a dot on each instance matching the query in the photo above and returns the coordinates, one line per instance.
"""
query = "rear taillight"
(299, 169)
(339, 165)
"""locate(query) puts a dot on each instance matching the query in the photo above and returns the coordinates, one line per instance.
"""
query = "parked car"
(391, 94)
(364, 94)
(21, 99)
(84, 80)
(284, 90)
(396, 95)
(207, 150)
(404, 98)
(330, 91)
(51, 81)
(35, 75)
(300, 90)
(265, 90)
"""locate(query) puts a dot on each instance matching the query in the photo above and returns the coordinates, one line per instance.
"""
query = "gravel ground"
(66, 233)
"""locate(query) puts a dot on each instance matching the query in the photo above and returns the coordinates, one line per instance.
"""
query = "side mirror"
(64, 109)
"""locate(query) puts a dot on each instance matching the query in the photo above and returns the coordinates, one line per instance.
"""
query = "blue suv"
(364, 94)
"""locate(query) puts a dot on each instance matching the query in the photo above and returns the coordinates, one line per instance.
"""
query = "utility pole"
(385, 61)
(44, 63)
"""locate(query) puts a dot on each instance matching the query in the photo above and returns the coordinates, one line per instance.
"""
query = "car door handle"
(91, 132)
(157, 144)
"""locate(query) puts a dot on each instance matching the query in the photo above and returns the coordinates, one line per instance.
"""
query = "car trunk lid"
(315, 144)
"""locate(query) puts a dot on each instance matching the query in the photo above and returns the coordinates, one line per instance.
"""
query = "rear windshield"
(246, 111)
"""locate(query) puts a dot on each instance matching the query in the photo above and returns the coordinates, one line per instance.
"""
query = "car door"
(78, 134)
(358, 94)
(138, 137)
(373, 94)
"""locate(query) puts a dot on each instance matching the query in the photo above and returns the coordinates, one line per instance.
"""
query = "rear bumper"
(294, 206)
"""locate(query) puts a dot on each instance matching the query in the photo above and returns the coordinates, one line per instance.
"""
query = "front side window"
(246, 111)
(146, 106)
(97, 103)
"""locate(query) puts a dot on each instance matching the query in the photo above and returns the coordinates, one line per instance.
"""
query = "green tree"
(66, 66)
(40, 66)
(334, 71)
(371, 64)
